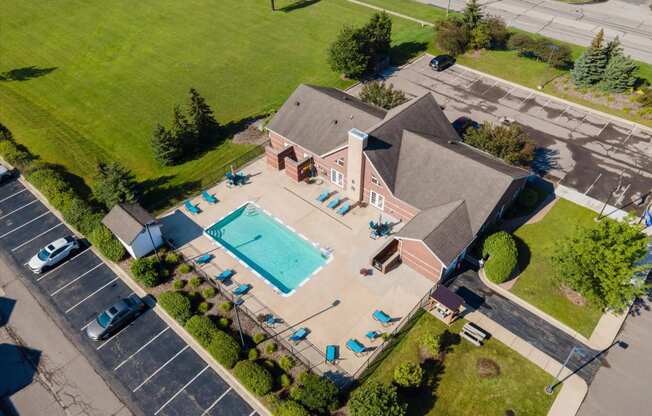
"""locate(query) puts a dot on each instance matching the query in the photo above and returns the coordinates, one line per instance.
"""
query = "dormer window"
(340, 162)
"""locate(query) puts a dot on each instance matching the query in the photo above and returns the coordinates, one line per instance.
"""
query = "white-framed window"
(337, 178)
(305, 155)
(376, 200)
(340, 162)
(375, 180)
(286, 144)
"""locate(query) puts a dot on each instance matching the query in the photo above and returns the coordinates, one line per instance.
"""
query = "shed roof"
(126, 221)
(447, 297)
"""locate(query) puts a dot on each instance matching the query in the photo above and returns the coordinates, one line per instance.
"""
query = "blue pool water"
(268, 247)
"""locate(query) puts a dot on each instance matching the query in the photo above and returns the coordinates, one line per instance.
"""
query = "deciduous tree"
(347, 54)
(509, 143)
(381, 95)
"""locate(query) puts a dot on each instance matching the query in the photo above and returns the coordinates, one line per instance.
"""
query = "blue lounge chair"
(355, 346)
(382, 317)
(344, 208)
(270, 320)
(209, 198)
(225, 275)
(372, 335)
(193, 209)
(203, 259)
(323, 196)
(242, 289)
(335, 202)
(331, 354)
(299, 335)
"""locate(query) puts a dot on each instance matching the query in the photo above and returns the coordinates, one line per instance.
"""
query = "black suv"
(441, 62)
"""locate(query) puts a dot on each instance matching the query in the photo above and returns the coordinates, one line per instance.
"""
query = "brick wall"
(417, 256)
(393, 206)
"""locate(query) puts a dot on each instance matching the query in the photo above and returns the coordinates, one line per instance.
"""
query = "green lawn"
(106, 74)
(455, 389)
(536, 284)
(410, 8)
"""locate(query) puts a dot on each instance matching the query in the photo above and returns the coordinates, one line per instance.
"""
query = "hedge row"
(177, 304)
(503, 256)
(254, 376)
(60, 193)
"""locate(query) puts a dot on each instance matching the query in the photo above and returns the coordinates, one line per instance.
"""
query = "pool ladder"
(251, 210)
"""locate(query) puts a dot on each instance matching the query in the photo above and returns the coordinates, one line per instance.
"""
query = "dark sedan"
(121, 314)
(462, 124)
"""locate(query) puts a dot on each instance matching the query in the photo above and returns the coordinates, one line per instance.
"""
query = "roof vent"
(334, 121)
(351, 117)
(452, 142)
(297, 103)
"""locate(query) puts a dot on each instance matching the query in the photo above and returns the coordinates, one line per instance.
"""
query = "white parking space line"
(543, 107)
(12, 195)
(18, 209)
(160, 368)
(604, 127)
(180, 390)
(141, 348)
(112, 337)
(507, 93)
(629, 136)
(562, 113)
(18, 247)
(26, 224)
(89, 296)
(43, 276)
(526, 98)
(493, 85)
(252, 412)
(75, 279)
(87, 325)
(594, 182)
(216, 401)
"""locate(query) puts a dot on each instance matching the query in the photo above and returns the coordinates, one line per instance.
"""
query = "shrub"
(203, 307)
(195, 281)
(382, 95)
(271, 348)
(542, 49)
(480, 37)
(172, 258)
(146, 272)
(528, 198)
(270, 364)
(177, 305)
(253, 354)
(290, 408)
(408, 374)
(452, 36)
(286, 362)
(346, 55)
(509, 143)
(226, 306)
(106, 242)
(223, 323)
(316, 393)
(202, 329)
(376, 399)
(185, 268)
(259, 337)
(224, 349)
(254, 377)
(15, 154)
(178, 284)
(430, 342)
(645, 98)
(487, 368)
(498, 33)
(284, 380)
(208, 293)
(501, 249)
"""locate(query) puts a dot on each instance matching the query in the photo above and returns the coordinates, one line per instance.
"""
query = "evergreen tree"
(182, 131)
(167, 150)
(378, 36)
(613, 48)
(114, 183)
(202, 121)
(589, 68)
(347, 54)
(472, 14)
(619, 74)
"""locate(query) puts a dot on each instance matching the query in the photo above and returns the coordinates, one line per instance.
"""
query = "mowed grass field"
(104, 74)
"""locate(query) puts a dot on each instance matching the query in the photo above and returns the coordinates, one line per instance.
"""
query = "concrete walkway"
(578, 24)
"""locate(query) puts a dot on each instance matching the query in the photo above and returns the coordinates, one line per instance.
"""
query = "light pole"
(149, 233)
(237, 302)
(550, 388)
(448, 7)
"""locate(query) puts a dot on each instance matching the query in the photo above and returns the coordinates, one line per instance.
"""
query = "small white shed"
(136, 229)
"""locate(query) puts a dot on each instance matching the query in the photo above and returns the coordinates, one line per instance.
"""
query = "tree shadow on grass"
(401, 54)
(421, 400)
(159, 193)
(25, 74)
(297, 5)
(524, 256)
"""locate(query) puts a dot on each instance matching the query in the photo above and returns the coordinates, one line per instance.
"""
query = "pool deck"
(310, 305)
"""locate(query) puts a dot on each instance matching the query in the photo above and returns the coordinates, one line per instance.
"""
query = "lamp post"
(448, 7)
(237, 302)
(550, 388)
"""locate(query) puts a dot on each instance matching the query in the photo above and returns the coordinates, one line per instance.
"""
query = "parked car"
(53, 253)
(119, 315)
(441, 62)
(462, 124)
(5, 173)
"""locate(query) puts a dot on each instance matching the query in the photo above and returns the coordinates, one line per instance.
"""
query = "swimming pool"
(272, 250)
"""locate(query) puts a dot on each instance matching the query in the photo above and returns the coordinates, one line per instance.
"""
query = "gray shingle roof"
(126, 221)
(319, 118)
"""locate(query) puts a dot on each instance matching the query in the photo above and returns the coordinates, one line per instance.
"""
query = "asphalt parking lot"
(160, 372)
(583, 150)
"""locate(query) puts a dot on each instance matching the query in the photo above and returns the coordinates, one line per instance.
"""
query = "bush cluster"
(177, 304)
(316, 393)
(501, 249)
(208, 293)
(376, 399)
(290, 408)
(224, 349)
(203, 307)
(194, 282)
(542, 49)
(185, 268)
(254, 377)
(509, 143)
(431, 342)
(408, 374)
(202, 329)
(147, 272)
(286, 363)
(178, 284)
(382, 95)
(259, 337)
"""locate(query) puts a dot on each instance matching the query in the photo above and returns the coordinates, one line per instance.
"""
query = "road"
(147, 364)
(630, 20)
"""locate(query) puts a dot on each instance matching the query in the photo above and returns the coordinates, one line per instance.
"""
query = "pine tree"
(166, 150)
(183, 132)
(589, 68)
(378, 34)
(202, 121)
(472, 14)
(613, 48)
(619, 74)
(347, 54)
(114, 183)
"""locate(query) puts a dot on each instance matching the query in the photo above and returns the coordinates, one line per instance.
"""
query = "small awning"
(447, 297)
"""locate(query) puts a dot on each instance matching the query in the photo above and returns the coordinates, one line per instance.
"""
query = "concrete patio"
(347, 237)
